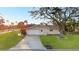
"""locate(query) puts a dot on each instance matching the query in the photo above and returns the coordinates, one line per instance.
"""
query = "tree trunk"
(62, 28)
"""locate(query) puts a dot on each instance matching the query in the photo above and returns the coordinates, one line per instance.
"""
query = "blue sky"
(17, 14)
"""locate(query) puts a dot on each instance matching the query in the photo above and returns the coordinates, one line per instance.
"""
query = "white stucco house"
(42, 30)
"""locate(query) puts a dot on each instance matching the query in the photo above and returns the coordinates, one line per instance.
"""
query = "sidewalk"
(5, 32)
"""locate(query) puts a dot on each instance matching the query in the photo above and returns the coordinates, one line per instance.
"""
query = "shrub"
(49, 34)
(23, 32)
(48, 46)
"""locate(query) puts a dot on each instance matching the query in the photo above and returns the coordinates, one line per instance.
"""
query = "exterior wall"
(45, 31)
(54, 32)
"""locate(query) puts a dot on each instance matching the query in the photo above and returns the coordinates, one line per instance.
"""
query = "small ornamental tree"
(22, 28)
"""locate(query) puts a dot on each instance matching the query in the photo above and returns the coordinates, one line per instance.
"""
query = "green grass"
(9, 40)
(68, 42)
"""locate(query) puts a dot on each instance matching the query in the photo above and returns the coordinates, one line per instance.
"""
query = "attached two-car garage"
(43, 32)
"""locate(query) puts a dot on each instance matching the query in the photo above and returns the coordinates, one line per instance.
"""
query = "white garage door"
(33, 32)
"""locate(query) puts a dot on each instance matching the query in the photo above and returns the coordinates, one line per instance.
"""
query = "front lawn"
(9, 40)
(68, 42)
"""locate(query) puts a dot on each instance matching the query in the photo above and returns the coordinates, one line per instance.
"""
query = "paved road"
(30, 42)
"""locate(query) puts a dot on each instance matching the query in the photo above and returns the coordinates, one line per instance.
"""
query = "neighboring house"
(43, 30)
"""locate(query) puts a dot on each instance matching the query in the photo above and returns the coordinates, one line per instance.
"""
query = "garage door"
(33, 32)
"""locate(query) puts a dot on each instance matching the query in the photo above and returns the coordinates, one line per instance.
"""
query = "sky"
(18, 14)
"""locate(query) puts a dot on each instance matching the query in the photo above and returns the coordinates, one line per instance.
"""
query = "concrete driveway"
(30, 42)
(34, 42)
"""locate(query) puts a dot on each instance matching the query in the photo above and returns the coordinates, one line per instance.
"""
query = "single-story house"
(42, 30)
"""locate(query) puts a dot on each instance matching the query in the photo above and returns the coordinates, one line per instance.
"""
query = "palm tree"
(7, 20)
(1, 20)
(25, 22)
